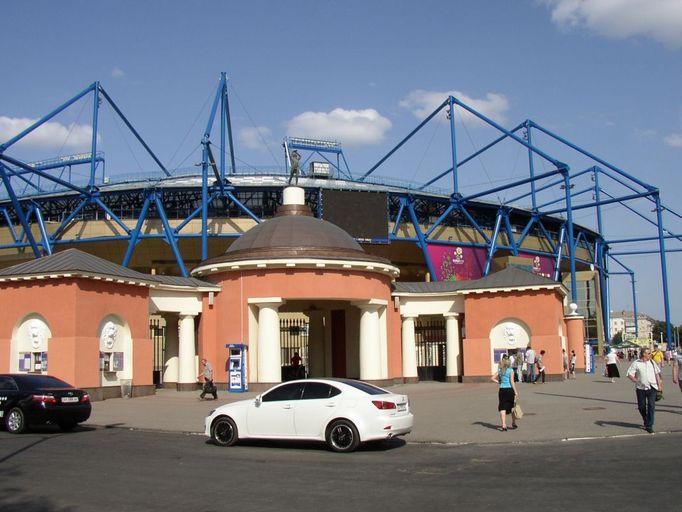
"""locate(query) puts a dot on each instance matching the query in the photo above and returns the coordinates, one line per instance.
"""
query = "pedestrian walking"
(540, 362)
(677, 370)
(515, 361)
(612, 365)
(530, 364)
(574, 360)
(564, 361)
(208, 386)
(507, 393)
(647, 378)
(657, 356)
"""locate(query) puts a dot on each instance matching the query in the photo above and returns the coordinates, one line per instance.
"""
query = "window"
(317, 390)
(285, 392)
(32, 382)
(363, 386)
(7, 384)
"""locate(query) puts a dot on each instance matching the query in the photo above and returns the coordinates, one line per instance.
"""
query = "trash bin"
(126, 388)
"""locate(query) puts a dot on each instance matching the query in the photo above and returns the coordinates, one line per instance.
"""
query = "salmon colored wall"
(227, 321)
(540, 310)
(575, 332)
(74, 310)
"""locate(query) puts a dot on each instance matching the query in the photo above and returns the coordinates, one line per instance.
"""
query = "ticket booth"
(237, 368)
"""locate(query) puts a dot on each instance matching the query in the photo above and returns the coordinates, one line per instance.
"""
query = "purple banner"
(457, 263)
(466, 263)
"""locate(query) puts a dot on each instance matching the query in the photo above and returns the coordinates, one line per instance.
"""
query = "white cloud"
(117, 72)
(50, 135)
(255, 138)
(422, 103)
(674, 140)
(352, 127)
(659, 19)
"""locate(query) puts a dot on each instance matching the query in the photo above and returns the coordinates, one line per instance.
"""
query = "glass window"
(316, 390)
(285, 392)
(29, 382)
(7, 384)
(363, 386)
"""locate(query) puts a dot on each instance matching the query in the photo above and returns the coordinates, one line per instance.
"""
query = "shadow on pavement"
(491, 426)
(624, 424)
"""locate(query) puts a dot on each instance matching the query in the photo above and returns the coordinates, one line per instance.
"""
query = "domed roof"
(295, 233)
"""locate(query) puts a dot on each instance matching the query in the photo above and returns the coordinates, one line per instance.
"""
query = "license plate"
(69, 399)
(402, 407)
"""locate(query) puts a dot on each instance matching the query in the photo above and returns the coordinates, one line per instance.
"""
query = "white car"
(341, 412)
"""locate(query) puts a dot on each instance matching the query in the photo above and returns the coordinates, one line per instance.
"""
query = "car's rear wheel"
(224, 431)
(15, 421)
(342, 436)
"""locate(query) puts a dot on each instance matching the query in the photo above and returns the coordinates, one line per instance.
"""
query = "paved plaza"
(589, 406)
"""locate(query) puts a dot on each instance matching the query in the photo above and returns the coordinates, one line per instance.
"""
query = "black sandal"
(502, 429)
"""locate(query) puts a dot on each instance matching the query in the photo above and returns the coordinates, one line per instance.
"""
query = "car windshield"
(39, 382)
(363, 386)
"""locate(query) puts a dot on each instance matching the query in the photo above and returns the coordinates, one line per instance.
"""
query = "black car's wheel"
(67, 426)
(224, 431)
(15, 421)
(342, 436)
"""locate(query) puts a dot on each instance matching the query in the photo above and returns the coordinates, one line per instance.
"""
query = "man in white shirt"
(647, 378)
(530, 364)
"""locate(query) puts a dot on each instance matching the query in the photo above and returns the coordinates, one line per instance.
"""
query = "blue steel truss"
(25, 183)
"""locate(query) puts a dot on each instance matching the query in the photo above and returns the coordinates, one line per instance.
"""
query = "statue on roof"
(294, 160)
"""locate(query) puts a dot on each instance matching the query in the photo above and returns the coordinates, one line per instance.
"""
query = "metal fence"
(431, 348)
(293, 336)
(157, 333)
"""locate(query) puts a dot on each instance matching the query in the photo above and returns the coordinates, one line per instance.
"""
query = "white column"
(170, 371)
(269, 347)
(453, 357)
(187, 370)
(409, 348)
(370, 346)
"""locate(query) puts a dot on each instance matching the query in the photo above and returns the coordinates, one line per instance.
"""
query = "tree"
(617, 338)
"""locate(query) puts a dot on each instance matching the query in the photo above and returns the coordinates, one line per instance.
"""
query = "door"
(274, 415)
(338, 343)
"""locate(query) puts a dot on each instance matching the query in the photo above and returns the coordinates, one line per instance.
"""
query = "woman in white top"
(612, 365)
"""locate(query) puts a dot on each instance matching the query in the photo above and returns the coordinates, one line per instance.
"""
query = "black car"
(39, 399)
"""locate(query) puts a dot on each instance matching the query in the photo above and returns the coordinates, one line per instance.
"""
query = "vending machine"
(237, 368)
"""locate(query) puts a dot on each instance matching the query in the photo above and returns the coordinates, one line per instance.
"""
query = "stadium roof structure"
(29, 189)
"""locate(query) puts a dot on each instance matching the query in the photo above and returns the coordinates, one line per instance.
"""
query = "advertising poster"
(457, 263)
(454, 263)
(540, 265)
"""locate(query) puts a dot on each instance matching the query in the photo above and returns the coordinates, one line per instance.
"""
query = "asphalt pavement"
(589, 406)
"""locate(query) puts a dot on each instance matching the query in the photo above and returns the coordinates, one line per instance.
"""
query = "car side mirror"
(257, 401)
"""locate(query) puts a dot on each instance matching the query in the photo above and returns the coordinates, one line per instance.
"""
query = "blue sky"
(605, 74)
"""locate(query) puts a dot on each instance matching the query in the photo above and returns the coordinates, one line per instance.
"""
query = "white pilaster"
(453, 364)
(370, 342)
(269, 347)
(409, 348)
(187, 371)
(170, 371)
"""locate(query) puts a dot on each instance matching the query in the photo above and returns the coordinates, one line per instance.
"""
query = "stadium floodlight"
(316, 143)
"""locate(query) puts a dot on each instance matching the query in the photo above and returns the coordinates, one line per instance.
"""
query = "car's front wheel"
(15, 421)
(224, 431)
(342, 436)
